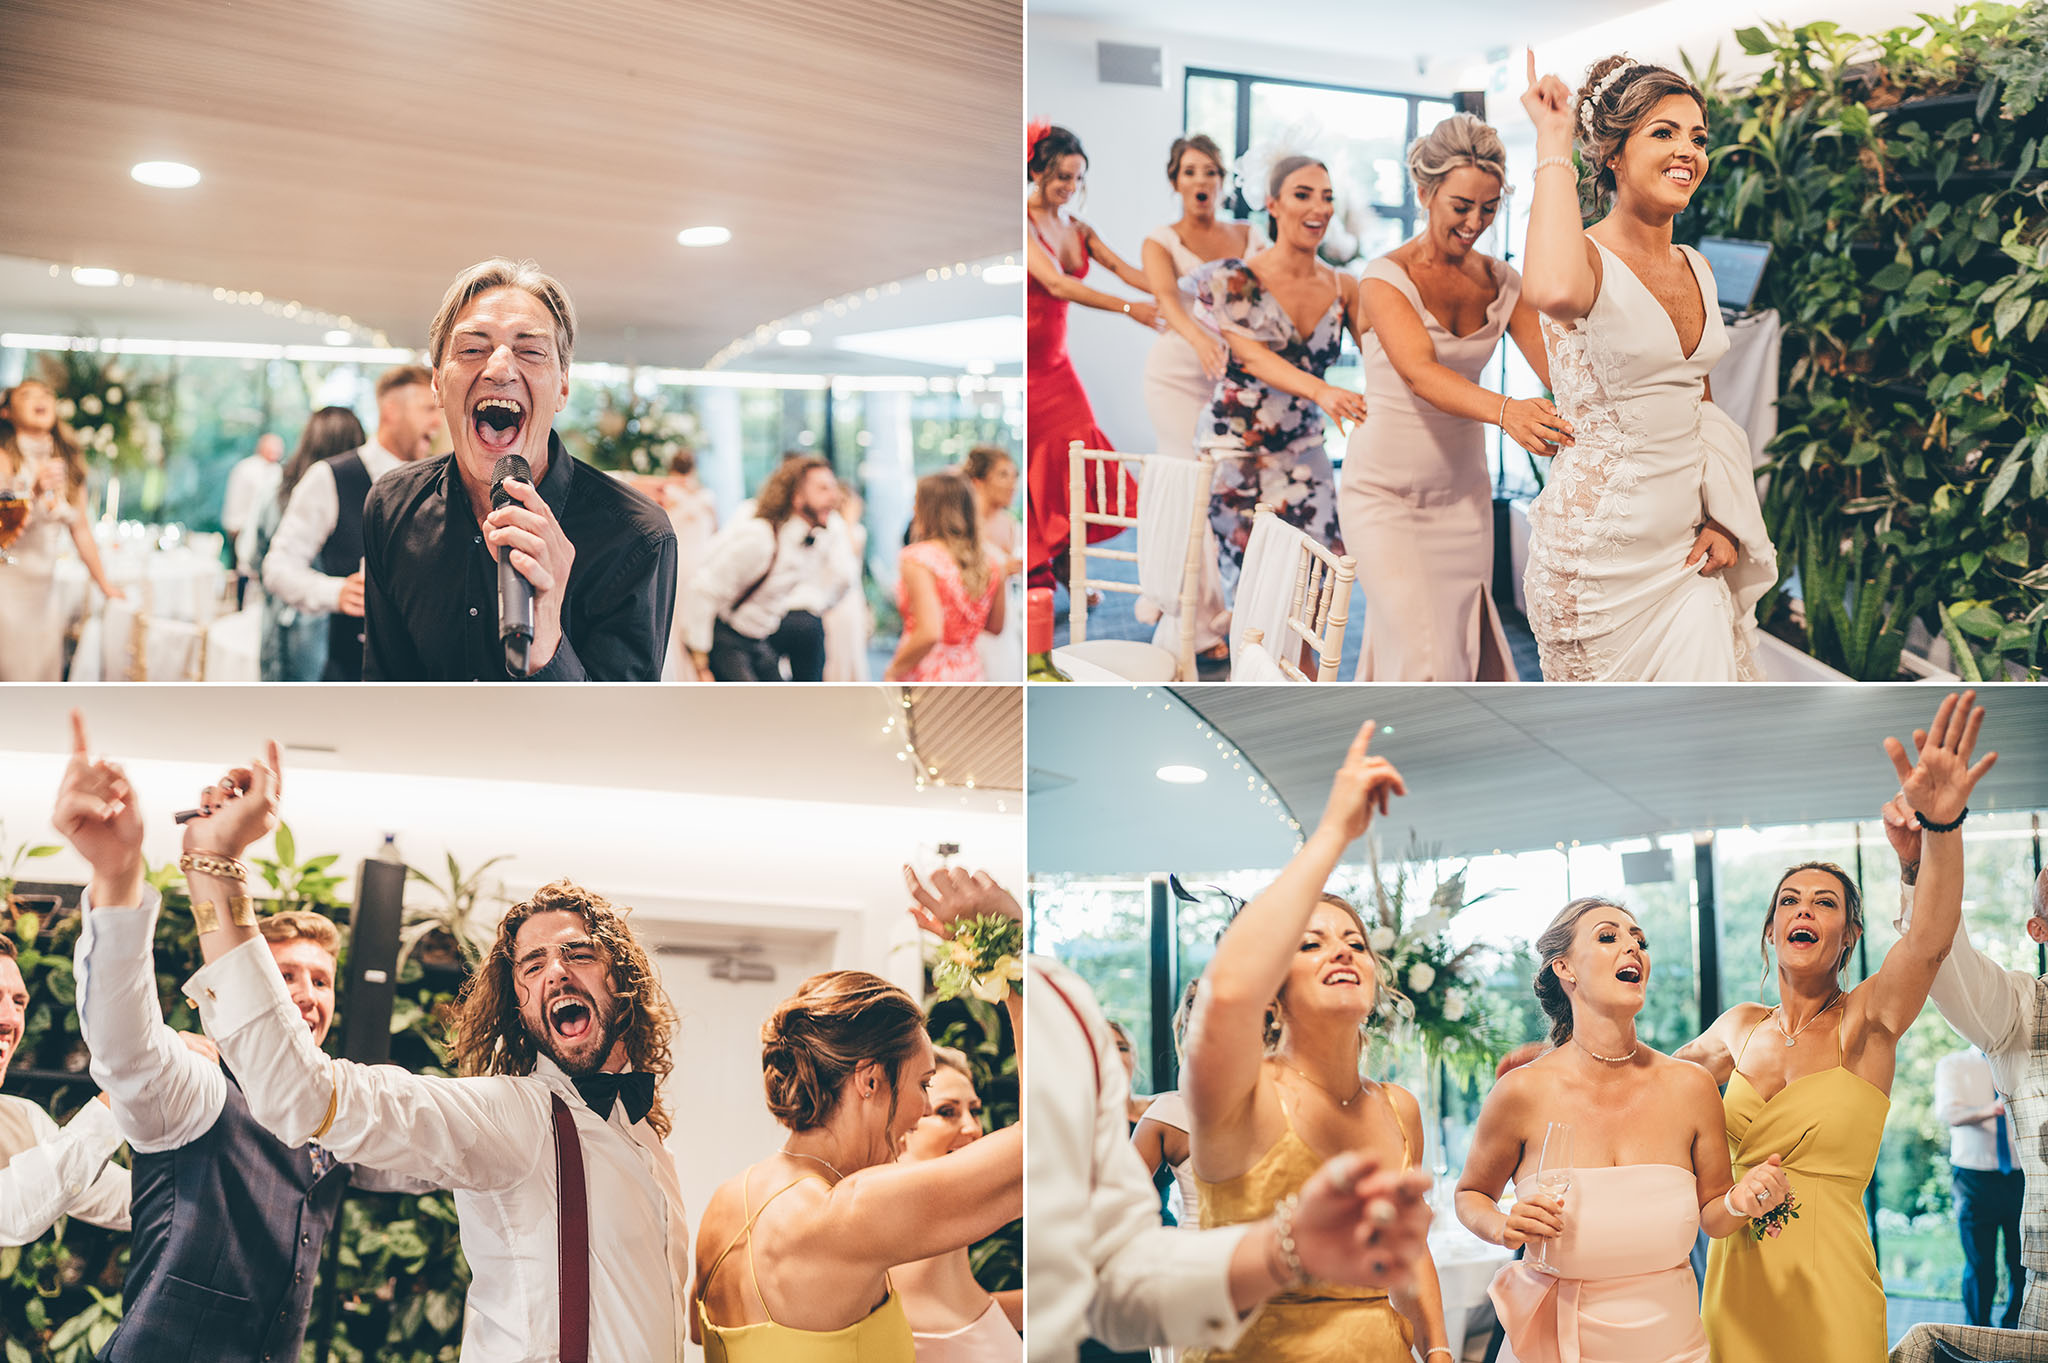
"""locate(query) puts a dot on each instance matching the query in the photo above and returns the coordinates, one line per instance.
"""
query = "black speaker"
(1471, 102)
(373, 961)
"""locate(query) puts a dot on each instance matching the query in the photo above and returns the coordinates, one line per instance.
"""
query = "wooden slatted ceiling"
(971, 733)
(357, 154)
(1521, 768)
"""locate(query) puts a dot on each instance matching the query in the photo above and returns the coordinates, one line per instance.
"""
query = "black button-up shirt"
(430, 584)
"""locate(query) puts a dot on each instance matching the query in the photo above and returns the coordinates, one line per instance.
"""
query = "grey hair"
(1460, 140)
(499, 272)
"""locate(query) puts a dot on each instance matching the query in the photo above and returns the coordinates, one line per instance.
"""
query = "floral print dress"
(1268, 445)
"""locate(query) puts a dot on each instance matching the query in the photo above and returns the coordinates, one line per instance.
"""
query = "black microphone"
(515, 593)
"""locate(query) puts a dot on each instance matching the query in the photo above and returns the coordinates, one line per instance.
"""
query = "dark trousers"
(801, 639)
(1987, 1206)
(737, 658)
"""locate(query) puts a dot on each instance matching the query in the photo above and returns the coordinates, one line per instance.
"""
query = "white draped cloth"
(1610, 595)
(1167, 496)
(1264, 589)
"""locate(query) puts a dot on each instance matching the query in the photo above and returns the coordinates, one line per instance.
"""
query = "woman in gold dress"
(1810, 1079)
(1275, 1085)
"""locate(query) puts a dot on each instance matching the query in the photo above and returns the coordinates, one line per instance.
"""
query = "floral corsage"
(1773, 1221)
(984, 956)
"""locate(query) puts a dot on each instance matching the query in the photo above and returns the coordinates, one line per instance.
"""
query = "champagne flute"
(1553, 1176)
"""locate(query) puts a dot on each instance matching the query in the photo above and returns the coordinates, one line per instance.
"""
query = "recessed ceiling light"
(165, 174)
(95, 277)
(793, 336)
(1182, 776)
(704, 236)
(981, 367)
(1003, 274)
(339, 338)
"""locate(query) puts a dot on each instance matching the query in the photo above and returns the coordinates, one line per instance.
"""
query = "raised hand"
(954, 895)
(1539, 1216)
(1363, 783)
(96, 812)
(238, 809)
(1938, 782)
(1902, 829)
(1359, 1223)
(1548, 102)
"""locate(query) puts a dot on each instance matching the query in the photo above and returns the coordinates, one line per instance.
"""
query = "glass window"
(1212, 108)
(1100, 930)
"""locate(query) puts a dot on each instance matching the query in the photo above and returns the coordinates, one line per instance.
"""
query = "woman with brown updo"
(42, 478)
(1275, 1081)
(806, 1237)
(1417, 503)
(1182, 369)
(1647, 550)
(954, 1318)
(1057, 253)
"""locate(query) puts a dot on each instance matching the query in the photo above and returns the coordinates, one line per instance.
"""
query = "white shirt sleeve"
(481, 1134)
(164, 1095)
(234, 511)
(1099, 1262)
(309, 519)
(735, 558)
(1991, 1007)
(1951, 1103)
(62, 1174)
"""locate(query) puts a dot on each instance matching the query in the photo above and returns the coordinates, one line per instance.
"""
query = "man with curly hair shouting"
(571, 1211)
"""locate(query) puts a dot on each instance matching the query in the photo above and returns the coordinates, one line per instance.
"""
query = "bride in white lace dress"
(1647, 550)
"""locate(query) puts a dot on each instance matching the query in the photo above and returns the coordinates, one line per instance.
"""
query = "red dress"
(955, 657)
(1056, 414)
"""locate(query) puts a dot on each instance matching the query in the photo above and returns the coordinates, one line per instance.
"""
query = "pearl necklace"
(1606, 1059)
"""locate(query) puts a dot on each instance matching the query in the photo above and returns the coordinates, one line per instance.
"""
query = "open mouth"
(498, 423)
(571, 1018)
(1467, 237)
(1342, 976)
(1201, 196)
(1679, 175)
(1804, 937)
(1315, 224)
(6, 1049)
(1630, 974)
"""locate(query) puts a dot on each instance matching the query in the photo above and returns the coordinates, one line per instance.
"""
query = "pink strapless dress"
(1624, 1291)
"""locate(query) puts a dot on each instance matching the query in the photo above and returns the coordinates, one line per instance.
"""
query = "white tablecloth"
(177, 584)
(1465, 1264)
(1746, 380)
(175, 594)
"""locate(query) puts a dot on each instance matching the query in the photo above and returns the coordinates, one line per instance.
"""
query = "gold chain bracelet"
(219, 867)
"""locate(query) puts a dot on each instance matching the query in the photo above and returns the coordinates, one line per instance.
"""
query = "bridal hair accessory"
(984, 957)
(1034, 133)
(1600, 92)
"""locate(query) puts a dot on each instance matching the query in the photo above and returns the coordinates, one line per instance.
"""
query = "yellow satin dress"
(881, 1336)
(1319, 1323)
(1812, 1292)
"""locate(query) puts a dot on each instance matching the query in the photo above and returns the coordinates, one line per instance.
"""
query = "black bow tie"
(635, 1088)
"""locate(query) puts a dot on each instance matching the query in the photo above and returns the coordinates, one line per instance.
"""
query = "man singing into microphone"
(462, 551)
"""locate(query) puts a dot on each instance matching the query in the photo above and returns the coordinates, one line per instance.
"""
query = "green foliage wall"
(1903, 182)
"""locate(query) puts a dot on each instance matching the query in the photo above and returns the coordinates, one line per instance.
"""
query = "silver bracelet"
(1502, 420)
(1548, 161)
(1728, 1201)
(1283, 1232)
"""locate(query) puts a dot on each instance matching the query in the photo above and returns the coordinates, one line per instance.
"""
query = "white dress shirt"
(51, 1171)
(1991, 1007)
(248, 481)
(304, 529)
(1962, 1085)
(1098, 1260)
(491, 1140)
(824, 590)
(735, 560)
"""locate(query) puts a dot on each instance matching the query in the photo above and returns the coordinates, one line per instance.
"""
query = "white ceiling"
(1507, 768)
(1465, 33)
(823, 744)
(357, 153)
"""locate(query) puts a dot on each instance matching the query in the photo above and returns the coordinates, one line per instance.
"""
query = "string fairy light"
(847, 302)
(290, 309)
(1255, 785)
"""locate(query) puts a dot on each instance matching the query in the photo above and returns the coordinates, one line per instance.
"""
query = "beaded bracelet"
(1549, 161)
(1932, 827)
(1283, 1233)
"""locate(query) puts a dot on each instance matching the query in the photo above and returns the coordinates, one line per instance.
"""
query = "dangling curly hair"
(491, 1037)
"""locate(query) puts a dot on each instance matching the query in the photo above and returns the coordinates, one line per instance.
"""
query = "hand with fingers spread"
(542, 553)
(1357, 1221)
(239, 809)
(1937, 782)
(1536, 426)
(96, 812)
(1364, 783)
(955, 895)
(1902, 830)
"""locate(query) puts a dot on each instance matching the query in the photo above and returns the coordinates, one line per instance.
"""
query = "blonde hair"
(954, 1060)
(944, 512)
(501, 273)
(297, 925)
(1460, 140)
